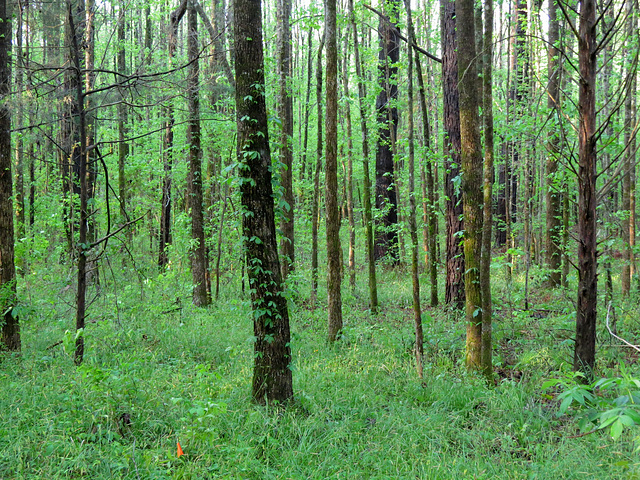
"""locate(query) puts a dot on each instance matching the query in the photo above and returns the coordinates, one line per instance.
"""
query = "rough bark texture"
(386, 241)
(553, 195)
(285, 114)
(472, 179)
(349, 172)
(585, 345)
(272, 376)
(198, 257)
(413, 227)
(315, 205)
(485, 271)
(366, 183)
(454, 292)
(10, 327)
(334, 254)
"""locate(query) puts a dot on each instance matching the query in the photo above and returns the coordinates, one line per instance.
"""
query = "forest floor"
(159, 371)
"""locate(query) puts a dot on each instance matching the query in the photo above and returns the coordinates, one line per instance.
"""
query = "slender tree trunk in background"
(472, 180)
(89, 80)
(10, 339)
(334, 253)
(628, 230)
(305, 142)
(413, 227)
(285, 113)
(123, 146)
(386, 241)
(272, 375)
(349, 173)
(454, 293)
(485, 268)
(165, 216)
(76, 15)
(366, 184)
(428, 185)
(553, 196)
(585, 343)
(198, 257)
(632, 181)
(19, 119)
(315, 207)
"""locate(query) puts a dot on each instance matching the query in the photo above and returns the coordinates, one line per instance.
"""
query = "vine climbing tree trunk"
(454, 293)
(386, 244)
(272, 376)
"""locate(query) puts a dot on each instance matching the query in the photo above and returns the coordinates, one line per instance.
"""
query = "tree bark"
(553, 195)
(334, 253)
(413, 228)
(315, 206)
(386, 243)
(272, 376)
(285, 113)
(454, 293)
(472, 179)
(10, 339)
(485, 268)
(366, 184)
(585, 344)
(198, 257)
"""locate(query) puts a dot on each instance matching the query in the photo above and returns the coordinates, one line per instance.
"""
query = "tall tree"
(123, 114)
(585, 343)
(487, 113)
(553, 195)
(166, 203)
(413, 228)
(285, 113)
(366, 184)
(10, 327)
(334, 254)
(454, 293)
(198, 257)
(386, 244)
(472, 179)
(272, 376)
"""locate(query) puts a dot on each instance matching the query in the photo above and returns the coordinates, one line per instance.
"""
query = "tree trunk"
(123, 146)
(315, 206)
(19, 159)
(485, 268)
(334, 253)
(553, 195)
(272, 376)
(386, 244)
(166, 206)
(349, 172)
(585, 343)
(454, 293)
(366, 187)
(285, 113)
(472, 180)
(10, 339)
(198, 257)
(413, 228)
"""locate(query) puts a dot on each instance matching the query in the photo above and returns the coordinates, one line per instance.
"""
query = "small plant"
(611, 404)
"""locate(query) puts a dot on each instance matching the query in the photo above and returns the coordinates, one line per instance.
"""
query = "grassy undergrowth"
(158, 371)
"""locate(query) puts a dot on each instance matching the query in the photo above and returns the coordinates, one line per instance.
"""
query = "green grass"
(156, 373)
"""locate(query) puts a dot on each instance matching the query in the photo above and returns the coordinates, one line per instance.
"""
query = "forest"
(339, 239)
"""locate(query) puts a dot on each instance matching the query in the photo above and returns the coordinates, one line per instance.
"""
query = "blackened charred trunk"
(386, 242)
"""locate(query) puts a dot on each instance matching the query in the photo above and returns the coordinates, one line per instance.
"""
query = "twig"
(635, 347)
